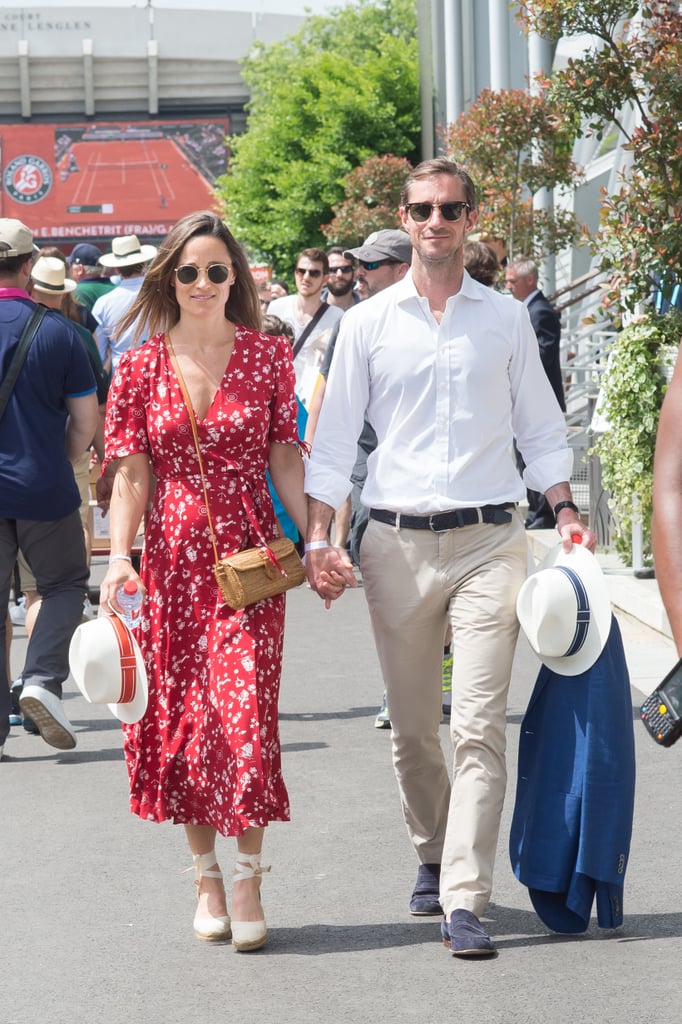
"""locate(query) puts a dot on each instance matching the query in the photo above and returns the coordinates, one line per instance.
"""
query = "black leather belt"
(441, 521)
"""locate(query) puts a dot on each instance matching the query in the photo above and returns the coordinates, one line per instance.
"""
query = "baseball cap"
(389, 244)
(15, 239)
(84, 253)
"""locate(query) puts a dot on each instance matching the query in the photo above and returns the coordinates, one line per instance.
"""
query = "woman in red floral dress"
(206, 754)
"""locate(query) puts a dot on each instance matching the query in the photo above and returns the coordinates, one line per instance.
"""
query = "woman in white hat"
(206, 753)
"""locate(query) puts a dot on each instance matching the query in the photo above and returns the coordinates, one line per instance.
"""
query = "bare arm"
(314, 410)
(286, 470)
(667, 497)
(568, 523)
(129, 498)
(81, 424)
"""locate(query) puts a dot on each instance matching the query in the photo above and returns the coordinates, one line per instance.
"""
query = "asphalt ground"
(97, 912)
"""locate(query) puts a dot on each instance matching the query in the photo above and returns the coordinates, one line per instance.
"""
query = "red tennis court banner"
(73, 182)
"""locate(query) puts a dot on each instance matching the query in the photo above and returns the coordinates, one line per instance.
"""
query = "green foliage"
(372, 198)
(514, 144)
(632, 392)
(635, 65)
(342, 89)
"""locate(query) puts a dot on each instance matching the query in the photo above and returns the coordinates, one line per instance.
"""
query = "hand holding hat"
(108, 667)
(564, 609)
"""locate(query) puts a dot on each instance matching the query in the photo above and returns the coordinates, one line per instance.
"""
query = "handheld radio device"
(662, 710)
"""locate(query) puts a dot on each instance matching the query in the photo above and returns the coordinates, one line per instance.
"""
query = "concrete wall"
(101, 60)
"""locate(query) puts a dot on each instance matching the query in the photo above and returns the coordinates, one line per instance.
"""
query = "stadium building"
(113, 116)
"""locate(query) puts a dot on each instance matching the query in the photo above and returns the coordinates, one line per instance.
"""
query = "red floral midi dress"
(207, 750)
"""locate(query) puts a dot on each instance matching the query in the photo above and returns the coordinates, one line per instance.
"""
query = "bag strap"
(25, 341)
(195, 434)
(305, 334)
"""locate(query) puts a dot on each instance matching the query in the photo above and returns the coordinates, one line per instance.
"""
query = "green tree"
(371, 200)
(633, 386)
(628, 66)
(514, 144)
(342, 89)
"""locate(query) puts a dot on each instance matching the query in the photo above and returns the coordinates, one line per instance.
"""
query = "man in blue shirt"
(49, 421)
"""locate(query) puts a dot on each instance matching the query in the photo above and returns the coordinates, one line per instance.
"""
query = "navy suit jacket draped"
(572, 822)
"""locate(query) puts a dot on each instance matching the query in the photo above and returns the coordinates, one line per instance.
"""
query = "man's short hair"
(524, 267)
(440, 165)
(315, 256)
(336, 250)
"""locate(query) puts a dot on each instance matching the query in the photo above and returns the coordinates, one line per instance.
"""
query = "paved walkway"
(96, 912)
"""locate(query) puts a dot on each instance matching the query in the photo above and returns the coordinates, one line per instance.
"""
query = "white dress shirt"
(445, 401)
(108, 310)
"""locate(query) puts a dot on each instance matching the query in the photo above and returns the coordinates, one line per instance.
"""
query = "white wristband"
(126, 558)
(316, 545)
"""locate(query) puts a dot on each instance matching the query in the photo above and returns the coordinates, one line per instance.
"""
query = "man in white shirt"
(130, 260)
(311, 319)
(447, 372)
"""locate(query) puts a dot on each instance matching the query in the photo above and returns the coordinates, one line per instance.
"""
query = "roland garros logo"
(27, 179)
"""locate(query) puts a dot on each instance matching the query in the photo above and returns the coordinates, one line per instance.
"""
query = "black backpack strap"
(27, 336)
(319, 313)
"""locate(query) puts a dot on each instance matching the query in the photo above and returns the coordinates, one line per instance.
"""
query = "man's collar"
(14, 293)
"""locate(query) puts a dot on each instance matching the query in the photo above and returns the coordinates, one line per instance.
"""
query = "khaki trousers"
(416, 581)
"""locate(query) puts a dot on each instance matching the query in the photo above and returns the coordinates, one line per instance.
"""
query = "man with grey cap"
(48, 421)
(382, 259)
(84, 269)
(130, 259)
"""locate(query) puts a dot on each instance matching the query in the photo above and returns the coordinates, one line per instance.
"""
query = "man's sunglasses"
(345, 268)
(217, 273)
(375, 264)
(311, 272)
(421, 212)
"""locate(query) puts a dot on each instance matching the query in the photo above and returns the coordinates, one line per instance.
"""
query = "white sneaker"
(47, 712)
(17, 612)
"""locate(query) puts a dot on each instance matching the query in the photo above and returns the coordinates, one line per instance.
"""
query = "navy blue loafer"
(424, 901)
(464, 935)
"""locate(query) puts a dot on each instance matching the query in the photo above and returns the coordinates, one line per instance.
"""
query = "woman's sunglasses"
(217, 273)
(421, 212)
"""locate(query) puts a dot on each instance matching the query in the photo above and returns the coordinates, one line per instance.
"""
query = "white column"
(540, 57)
(88, 79)
(153, 75)
(454, 90)
(500, 76)
(24, 78)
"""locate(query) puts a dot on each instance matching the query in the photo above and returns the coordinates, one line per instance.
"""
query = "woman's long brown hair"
(156, 308)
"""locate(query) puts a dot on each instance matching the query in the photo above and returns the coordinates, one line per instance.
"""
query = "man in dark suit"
(521, 278)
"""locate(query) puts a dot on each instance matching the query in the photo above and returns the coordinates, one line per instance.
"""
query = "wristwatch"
(565, 504)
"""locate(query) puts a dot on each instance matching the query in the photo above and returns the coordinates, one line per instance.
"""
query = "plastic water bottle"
(129, 599)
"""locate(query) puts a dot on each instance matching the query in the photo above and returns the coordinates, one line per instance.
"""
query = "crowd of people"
(381, 403)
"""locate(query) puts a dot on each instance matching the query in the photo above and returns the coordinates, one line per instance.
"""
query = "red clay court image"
(107, 179)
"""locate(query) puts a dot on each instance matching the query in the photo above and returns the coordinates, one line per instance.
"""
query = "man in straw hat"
(447, 371)
(48, 422)
(129, 258)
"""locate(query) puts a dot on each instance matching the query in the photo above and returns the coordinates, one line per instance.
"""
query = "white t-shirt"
(308, 361)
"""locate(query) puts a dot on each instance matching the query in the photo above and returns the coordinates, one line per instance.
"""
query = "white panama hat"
(49, 275)
(564, 609)
(108, 667)
(126, 251)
